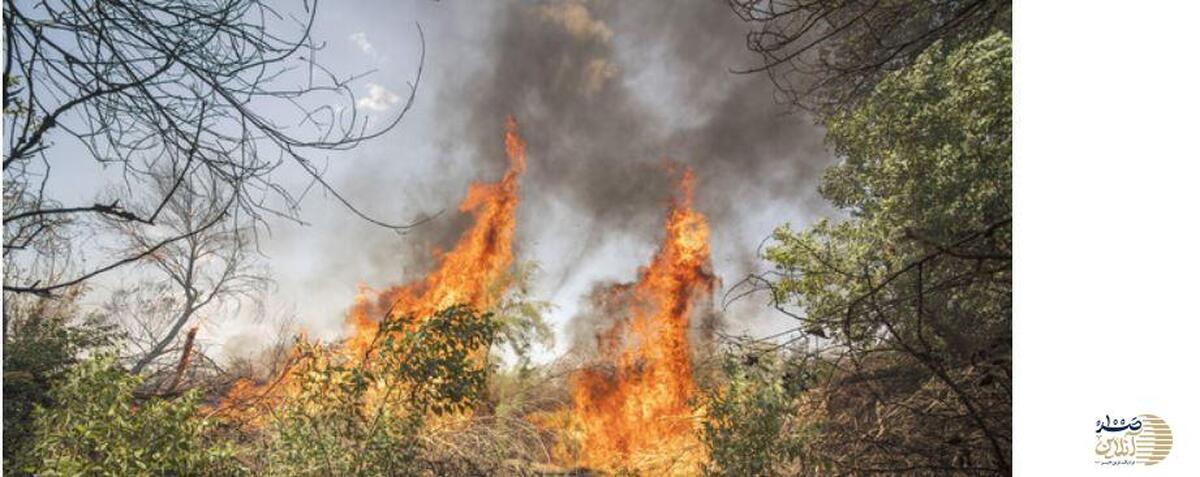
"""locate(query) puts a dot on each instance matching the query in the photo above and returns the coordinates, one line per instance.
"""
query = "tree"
(210, 266)
(226, 88)
(913, 293)
(827, 55)
(520, 319)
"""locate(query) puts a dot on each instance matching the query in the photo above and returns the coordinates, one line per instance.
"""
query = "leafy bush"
(746, 430)
(97, 427)
(42, 341)
(366, 416)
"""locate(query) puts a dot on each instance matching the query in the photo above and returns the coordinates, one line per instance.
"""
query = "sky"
(606, 93)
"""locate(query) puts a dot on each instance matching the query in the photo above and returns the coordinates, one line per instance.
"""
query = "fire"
(630, 412)
(468, 274)
(635, 414)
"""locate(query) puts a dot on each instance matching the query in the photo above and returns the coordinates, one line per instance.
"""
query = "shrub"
(746, 427)
(42, 341)
(354, 416)
(98, 427)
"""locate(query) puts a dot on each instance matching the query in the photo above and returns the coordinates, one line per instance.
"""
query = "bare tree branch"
(208, 87)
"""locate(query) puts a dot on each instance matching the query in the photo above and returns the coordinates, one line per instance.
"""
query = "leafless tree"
(824, 55)
(227, 88)
(212, 266)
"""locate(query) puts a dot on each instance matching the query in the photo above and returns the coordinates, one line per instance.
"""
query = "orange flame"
(469, 274)
(637, 414)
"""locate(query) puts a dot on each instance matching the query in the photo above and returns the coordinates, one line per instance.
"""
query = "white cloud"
(360, 40)
(378, 98)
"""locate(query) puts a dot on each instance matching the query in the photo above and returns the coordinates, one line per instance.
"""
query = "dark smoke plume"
(609, 92)
(613, 99)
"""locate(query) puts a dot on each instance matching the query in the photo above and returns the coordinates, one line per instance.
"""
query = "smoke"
(603, 312)
(609, 98)
(613, 100)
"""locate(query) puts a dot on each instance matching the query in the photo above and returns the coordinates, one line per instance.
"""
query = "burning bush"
(366, 417)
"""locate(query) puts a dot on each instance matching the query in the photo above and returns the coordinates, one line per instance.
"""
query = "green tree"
(828, 55)
(915, 288)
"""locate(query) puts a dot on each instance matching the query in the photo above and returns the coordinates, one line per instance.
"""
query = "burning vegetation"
(897, 359)
(469, 276)
(631, 408)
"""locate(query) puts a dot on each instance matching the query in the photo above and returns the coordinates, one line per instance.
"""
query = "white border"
(1107, 210)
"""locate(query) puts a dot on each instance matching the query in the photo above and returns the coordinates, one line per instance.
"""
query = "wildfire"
(469, 274)
(633, 412)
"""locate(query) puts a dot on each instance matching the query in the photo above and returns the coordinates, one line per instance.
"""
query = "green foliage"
(365, 417)
(310, 437)
(745, 428)
(932, 147)
(97, 427)
(42, 341)
(927, 163)
(916, 286)
(827, 56)
(435, 361)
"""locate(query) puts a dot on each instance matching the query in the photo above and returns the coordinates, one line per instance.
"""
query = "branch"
(184, 359)
(46, 290)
